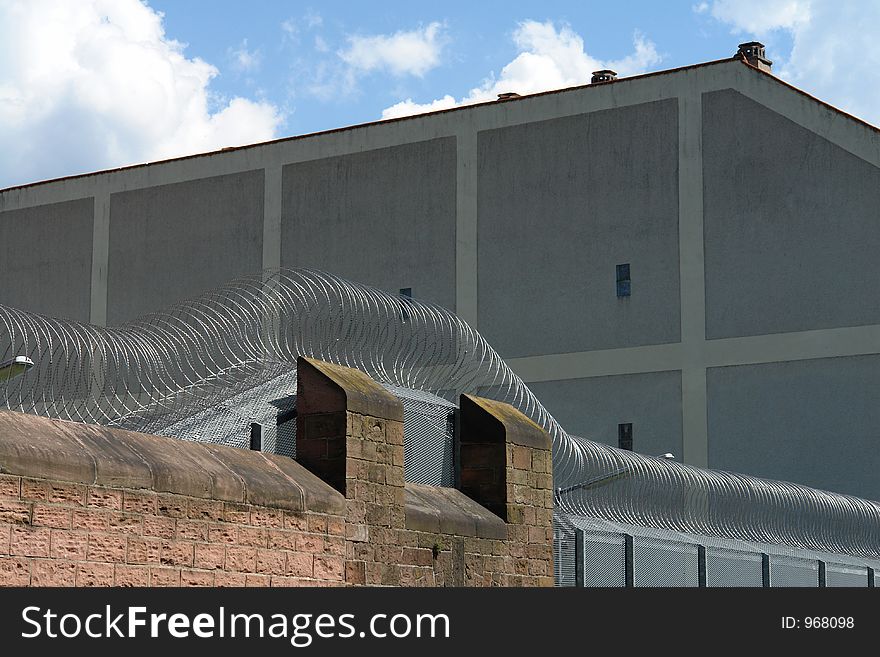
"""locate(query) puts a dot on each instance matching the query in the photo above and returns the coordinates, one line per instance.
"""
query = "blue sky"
(91, 84)
(476, 42)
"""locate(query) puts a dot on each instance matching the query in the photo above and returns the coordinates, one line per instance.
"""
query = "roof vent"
(507, 95)
(605, 75)
(753, 53)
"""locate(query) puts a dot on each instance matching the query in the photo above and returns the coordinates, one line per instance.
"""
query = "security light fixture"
(10, 369)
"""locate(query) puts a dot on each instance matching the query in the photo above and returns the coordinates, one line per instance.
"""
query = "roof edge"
(411, 117)
(800, 91)
(368, 124)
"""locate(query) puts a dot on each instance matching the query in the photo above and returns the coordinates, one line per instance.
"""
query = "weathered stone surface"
(183, 468)
(264, 485)
(36, 447)
(421, 514)
(496, 416)
(68, 451)
(497, 445)
(318, 496)
(449, 511)
(116, 464)
(325, 388)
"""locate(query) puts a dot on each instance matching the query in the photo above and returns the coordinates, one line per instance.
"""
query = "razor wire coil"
(159, 369)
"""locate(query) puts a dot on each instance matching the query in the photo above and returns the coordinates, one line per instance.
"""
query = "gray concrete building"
(693, 253)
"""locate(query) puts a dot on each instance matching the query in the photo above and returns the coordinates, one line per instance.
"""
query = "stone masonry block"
(94, 574)
(95, 520)
(107, 547)
(160, 527)
(17, 513)
(124, 575)
(10, 487)
(15, 571)
(53, 573)
(29, 541)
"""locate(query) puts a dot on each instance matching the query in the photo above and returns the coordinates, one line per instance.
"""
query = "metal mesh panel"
(841, 575)
(793, 572)
(664, 563)
(604, 560)
(563, 553)
(729, 562)
(733, 568)
(286, 438)
(228, 423)
(429, 426)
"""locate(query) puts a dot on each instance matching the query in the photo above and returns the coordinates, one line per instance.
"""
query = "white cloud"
(245, 60)
(549, 58)
(313, 19)
(408, 107)
(291, 26)
(758, 17)
(97, 83)
(835, 53)
(413, 52)
(321, 44)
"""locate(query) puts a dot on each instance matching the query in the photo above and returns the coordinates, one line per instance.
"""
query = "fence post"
(256, 437)
(870, 578)
(822, 576)
(701, 566)
(765, 570)
(629, 580)
(579, 577)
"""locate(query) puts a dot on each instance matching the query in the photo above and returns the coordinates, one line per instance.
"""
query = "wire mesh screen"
(285, 432)
(603, 559)
(564, 550)
(793, 572)
(664, 563)
(844, 575)
(733, 568)
(228, 422)
(428, 427)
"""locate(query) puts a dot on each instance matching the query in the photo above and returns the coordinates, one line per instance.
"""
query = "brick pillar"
(506, 467)
(349, 432)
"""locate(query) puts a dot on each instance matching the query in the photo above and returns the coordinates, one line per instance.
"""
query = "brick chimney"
(753, 53)
(605, 75)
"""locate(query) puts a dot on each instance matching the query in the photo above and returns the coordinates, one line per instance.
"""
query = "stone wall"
(64, 534)
(82, 505)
